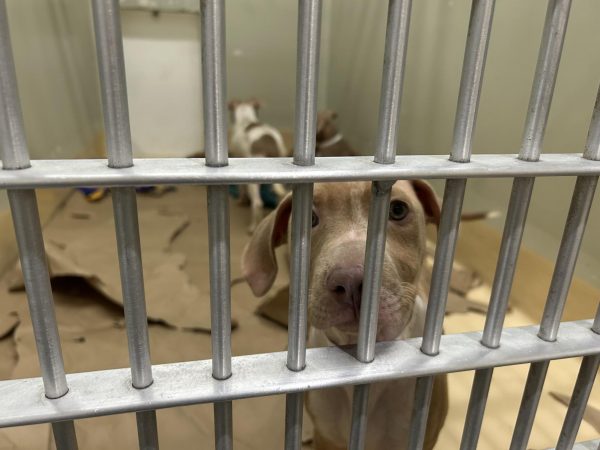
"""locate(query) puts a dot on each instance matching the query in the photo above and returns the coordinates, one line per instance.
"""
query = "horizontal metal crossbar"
(110, 391)
(95, 172)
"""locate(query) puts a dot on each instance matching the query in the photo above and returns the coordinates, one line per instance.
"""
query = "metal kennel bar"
(144, 388)
(307, 78)
(478, 37)
(212, 19)
(30, 241)
(111, 64)
(187, 383)
(555, 27)
(396, 45)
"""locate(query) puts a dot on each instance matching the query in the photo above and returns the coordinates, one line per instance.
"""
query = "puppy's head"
(244, 111)
(339, 231)
(325, 125)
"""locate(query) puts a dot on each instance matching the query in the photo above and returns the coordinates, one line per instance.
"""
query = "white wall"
(162, 60)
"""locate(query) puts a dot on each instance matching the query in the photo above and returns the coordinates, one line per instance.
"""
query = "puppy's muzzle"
(345, 285)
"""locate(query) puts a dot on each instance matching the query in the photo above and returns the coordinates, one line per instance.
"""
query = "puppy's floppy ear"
(232, 104)
(429, 201)
(259, 265)
(256, 103)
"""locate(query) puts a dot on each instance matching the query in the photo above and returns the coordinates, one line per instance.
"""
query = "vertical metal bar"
(294, 408)
(212, 18)
(223, 425)
(309, 26)
(39, 292)
(111, 64)
(12, 134)
(307, 77)
(592, 147)
(579, 399)
(64, 435)
(302, 199)
(478, 36)
(535, 125)
(374, 255)
(28, 230)
(147, 430)
(480, 25)
(132, 283)
(507, 259)
(220, 305)
(581, 203)
(442, 268)
(420, 412)
(358, 432)
(596, 324)
(539, 107)
(476, 409)
(529, 405)
(396, 45)
(553, 37)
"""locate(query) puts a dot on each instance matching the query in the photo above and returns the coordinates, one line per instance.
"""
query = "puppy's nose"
(345, 283)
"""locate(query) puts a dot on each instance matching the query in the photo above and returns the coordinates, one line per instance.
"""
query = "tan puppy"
(329, 141)
(339, 232)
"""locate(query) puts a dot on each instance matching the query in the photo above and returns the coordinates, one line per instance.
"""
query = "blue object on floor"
(267, 194)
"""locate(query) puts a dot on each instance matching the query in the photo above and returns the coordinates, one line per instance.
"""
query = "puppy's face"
(244, 111)
(340, 221)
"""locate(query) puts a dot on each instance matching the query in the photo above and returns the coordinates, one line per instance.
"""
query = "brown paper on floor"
(258, 423)
(80, 242)
(91, 341)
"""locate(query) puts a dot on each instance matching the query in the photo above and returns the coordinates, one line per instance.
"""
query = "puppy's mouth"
(340, 319)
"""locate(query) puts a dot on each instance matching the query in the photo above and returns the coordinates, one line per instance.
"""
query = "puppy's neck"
(328, 131)
(331, 141)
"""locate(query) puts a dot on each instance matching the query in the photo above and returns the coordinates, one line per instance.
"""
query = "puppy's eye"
(398, 210)
(315, 219)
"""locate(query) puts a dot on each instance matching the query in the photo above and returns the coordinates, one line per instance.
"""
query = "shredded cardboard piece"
(8, 323)
(81, 242)
(181, 428)
(591, 414)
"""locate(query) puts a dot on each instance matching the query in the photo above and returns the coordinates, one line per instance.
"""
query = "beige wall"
(436, 47)
(261, 55)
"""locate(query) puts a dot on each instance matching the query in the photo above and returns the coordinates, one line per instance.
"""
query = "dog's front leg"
(256, 204)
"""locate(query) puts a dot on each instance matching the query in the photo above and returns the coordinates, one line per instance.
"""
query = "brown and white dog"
(251, 138)
(340, 214)
(329, 141)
